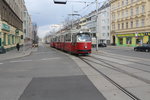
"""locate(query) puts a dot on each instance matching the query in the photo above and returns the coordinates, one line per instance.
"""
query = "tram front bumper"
(84, 51)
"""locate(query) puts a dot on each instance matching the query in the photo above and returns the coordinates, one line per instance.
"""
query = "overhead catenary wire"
(87, 7)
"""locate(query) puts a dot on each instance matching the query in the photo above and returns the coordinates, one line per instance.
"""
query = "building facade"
(91, 23)
(34, 33)
(27, 25)
(103, 22)
(130, 22)
(11, 24)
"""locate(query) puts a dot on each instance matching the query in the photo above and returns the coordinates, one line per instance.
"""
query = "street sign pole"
(96, 25)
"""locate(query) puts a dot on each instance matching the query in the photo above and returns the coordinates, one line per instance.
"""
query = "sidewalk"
(101, 49)
(16, 54)
(123, 47)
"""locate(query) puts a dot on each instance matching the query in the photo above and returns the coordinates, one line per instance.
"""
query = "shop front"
(133, 39)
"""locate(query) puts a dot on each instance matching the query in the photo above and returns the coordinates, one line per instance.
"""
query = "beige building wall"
(130, 22)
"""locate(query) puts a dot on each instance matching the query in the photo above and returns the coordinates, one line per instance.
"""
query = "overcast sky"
(45, 13)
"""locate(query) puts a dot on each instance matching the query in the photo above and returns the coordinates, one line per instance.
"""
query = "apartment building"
(130, 22)
(11, 23)
(103, 23)
(27, 25)
(91, 23)
(17, 6)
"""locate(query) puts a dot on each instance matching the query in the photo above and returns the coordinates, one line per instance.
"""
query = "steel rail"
(113, 82)
(121, 70)
(130, 61)
(148, 71)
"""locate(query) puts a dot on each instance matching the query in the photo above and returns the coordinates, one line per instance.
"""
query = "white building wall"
(27, 24)
(91, 23)
(104, 25)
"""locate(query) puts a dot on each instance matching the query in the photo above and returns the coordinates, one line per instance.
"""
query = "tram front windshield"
(84, 37)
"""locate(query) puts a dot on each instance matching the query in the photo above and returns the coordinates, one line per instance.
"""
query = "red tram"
(75, 42)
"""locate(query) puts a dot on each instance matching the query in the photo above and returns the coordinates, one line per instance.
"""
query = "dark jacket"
(17, 45)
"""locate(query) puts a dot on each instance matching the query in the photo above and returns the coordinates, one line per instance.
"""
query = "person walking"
(18, 46)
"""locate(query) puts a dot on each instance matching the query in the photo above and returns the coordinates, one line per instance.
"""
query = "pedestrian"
(18, 46)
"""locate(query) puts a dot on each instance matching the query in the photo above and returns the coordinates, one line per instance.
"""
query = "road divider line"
(1, 63)
(50, 58)
(20, 61)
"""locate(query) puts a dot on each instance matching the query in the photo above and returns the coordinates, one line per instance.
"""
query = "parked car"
(102, 45)
(144, 47)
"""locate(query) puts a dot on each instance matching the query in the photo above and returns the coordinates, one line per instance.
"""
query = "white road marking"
(50, 58)
(1, 63)
(20, 61)
(34, 60)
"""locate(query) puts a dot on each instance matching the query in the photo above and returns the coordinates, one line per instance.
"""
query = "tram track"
(132, 96)
(128, 60)
(118, 69)
(147, 71)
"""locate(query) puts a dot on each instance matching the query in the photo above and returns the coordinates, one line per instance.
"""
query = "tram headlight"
(85, 46)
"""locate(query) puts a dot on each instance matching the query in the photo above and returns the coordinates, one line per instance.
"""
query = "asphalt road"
(127, 51)
(45, 75)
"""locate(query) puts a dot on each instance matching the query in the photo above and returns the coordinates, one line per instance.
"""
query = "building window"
(107, 34)
(122, 25)
(122, 2)
(113, 16)
(104, 34)
(128, 40)
(143, 8)
(137, 23)
(122, 14)
(126, 13)
(126, 24)
(143, 22)
(131, 11)
(118, 4)
(137, 10)
(113, 26)
(139, 40)
(120, 40)
(126, 2)
(118, 26)
(108, 27)
(118, 15)
(5, 35)
(9, 40)
(131, 24)
(13, 40)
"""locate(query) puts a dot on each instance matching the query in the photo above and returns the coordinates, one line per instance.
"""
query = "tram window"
(68, 37)
(73, 38)
(83, 37)
(62, 38)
